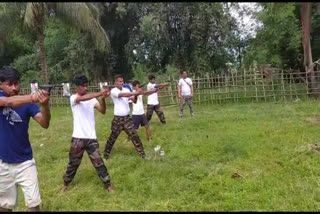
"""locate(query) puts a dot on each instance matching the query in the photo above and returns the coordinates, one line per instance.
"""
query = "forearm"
(127, 94)
(88, 96)
(46, 115)
(16, 101)
(179, 91)
(134, 99)
(103, 105)
(147, 93)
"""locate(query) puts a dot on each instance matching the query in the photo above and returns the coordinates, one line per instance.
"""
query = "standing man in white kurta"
(185, 92)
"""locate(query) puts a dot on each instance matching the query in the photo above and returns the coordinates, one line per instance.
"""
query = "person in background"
(138, 115)
(153, 102)
(185, 92)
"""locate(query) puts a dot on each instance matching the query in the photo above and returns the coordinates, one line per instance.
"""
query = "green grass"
(266, 143)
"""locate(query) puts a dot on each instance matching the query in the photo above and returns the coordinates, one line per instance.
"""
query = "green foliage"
(278, 42)
(140, 73)
(29, 68)
(199, 37)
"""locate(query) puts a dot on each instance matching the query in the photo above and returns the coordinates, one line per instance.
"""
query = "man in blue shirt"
(17, 166)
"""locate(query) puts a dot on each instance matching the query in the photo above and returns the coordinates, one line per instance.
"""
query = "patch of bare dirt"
(314, 120)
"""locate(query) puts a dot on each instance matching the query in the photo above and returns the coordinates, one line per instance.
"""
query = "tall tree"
(83, 15)
(306, 17)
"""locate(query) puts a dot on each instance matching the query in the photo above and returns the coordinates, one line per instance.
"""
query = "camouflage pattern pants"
(117, 125)
(159, 112)
(184, 100)
(78, 146)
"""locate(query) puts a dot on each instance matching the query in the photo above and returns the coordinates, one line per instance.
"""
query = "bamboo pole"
(255, 85)
(283, 89)
(264, 92)
(244, 83)
(233, 89)
(219, 89)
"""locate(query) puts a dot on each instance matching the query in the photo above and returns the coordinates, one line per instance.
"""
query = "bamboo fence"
(241, 86)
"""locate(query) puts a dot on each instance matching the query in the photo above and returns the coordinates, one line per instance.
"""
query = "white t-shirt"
(153, 98)
(138, 107)
(185, 88)
(121, 104)
(83, 118)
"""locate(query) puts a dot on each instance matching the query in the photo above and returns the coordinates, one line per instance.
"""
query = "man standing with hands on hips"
(185, 93)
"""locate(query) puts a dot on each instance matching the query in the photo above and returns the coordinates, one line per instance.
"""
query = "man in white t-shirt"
(122, 119)
(153, 102)
(84, 134)
(185, 92)
(138, 116)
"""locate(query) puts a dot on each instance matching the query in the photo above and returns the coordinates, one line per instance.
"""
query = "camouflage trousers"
(184, 100)
(158, 110)
(117, 125)
(78, 146)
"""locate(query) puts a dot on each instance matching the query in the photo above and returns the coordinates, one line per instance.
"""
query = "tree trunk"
(306, 12)
(43, 58)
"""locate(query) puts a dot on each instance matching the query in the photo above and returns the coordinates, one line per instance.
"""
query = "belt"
(121, 116)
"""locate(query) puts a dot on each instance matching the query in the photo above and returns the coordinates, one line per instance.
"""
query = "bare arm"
(88, 96)
(44, 116)
(101, 105)
(128, 94)
(16, 101)
(147, 93)
(191, 90)
(179, 91)
(162, 85)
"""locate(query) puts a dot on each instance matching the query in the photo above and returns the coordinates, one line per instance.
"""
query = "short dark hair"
(181, 72)
(10, 74)
(117, 76)
(151, 76)
(80, 80)
(135, 82)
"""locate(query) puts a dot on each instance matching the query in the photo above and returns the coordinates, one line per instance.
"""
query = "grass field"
(232, 157)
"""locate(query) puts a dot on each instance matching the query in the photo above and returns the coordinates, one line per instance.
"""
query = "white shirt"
(153, 98)
(185, 88)
(121, 104)
(83, 118)
(138, 107)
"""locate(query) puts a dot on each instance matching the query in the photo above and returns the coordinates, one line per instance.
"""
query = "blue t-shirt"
(14, 138)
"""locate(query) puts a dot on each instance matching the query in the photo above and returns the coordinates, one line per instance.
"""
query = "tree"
(83, 15)
(306, 17)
